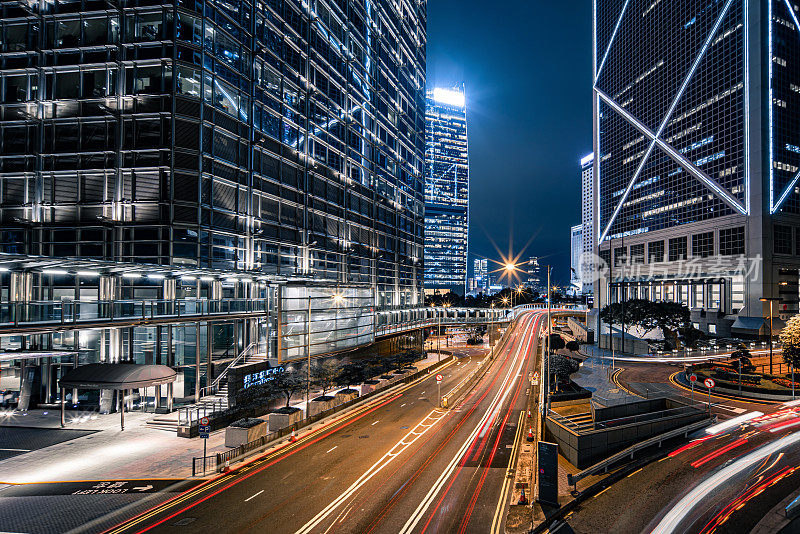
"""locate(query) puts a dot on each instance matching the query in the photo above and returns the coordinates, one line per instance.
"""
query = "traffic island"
(729, 382)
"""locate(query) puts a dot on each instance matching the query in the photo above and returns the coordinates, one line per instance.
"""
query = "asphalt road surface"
(724, 481)
(400, 465)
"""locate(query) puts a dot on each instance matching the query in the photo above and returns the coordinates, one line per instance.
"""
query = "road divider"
(451, 397)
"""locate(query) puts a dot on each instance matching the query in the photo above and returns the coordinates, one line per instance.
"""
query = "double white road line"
(491, 412)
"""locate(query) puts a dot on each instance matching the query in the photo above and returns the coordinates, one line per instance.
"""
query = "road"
(400, 465)
(725, 480)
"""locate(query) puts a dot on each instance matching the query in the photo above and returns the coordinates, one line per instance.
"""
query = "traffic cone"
(530, 434)
(293, 437)
(227, 466)
(529, 414)
(522, 499)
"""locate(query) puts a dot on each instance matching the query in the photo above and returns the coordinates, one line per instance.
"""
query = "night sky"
(527, 70)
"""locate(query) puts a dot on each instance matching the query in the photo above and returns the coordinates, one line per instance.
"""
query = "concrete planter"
(369, 386)
(235, 436)
(320, 404)
(282, 420)
(345, 395)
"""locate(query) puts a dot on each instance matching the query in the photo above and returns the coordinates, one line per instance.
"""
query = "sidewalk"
(103, 451)
(596, 375)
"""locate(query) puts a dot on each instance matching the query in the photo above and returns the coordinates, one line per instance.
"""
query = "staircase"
(214, 398)
(580, 422)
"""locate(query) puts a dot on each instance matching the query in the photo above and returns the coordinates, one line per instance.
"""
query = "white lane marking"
(332, 449)
(402, 404)
(375, 423)
(499, 399)
(672, 520)
(435, 416)
(254, 496)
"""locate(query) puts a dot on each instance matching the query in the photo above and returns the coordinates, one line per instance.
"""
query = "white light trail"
(678, 513)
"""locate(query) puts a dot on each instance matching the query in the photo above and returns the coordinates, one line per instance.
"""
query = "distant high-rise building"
(697, 153)
(576, 248)
(480, 273)
(534, 280)
(446, 190)
(587, 219)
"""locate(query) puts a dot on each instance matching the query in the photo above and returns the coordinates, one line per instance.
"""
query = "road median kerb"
(450, 398)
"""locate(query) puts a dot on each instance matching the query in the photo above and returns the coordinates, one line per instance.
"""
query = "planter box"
(235, 436)
(320, 404)
(345, 395)
(282, 420)
(369, 386)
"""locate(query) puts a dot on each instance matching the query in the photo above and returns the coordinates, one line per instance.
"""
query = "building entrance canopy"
(117, 376)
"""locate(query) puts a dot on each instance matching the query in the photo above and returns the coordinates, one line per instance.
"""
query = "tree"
(740, 360)
(691, 335)
(573, 346)
(561, 367)
(325, 375)
(790, 337)
(259, 395)
(352, 373)
(647, 315)
(556, 342)
(288, 383)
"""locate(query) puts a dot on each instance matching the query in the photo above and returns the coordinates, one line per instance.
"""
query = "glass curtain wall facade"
(696, 155)
(232, 145)
(587, 216)
(278, 137)
(446, 191)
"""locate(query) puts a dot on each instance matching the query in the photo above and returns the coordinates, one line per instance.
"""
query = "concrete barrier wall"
(632, 345)
(586, 449)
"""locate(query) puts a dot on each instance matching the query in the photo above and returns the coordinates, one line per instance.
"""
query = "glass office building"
(446, 191)
(696, 159)
(232, 145)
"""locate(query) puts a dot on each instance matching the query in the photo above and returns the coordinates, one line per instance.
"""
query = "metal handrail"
(629, 419)
(573, 479)
(213, 386)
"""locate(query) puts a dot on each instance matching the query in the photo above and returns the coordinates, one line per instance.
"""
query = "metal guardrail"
(639, 418)
(206, 462)
(68, 312)
(605, 464)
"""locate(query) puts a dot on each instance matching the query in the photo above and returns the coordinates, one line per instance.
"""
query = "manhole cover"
(185, 521)
(362, 437)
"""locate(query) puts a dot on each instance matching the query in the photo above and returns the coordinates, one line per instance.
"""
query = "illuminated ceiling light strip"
(790, 187)
(794, 17)
(665, 120)
(611, 41)
(785, 193)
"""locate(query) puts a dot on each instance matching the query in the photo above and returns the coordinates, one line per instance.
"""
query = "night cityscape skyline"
(399, 267)
(529, 94)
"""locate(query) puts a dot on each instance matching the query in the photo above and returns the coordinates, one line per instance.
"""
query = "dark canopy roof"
(117, 376)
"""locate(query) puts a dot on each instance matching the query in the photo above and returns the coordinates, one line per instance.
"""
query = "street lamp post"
(491, 326)
(308, 357)
(549, 333)
(770, 300)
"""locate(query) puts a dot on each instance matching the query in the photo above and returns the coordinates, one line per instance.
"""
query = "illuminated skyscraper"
(218, 152)
(587, 217)
(481, 274)
(576, 248)
(534, 275)
(697, 153)
(446, 190)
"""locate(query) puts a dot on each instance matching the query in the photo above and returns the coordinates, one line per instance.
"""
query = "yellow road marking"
(270, 456)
